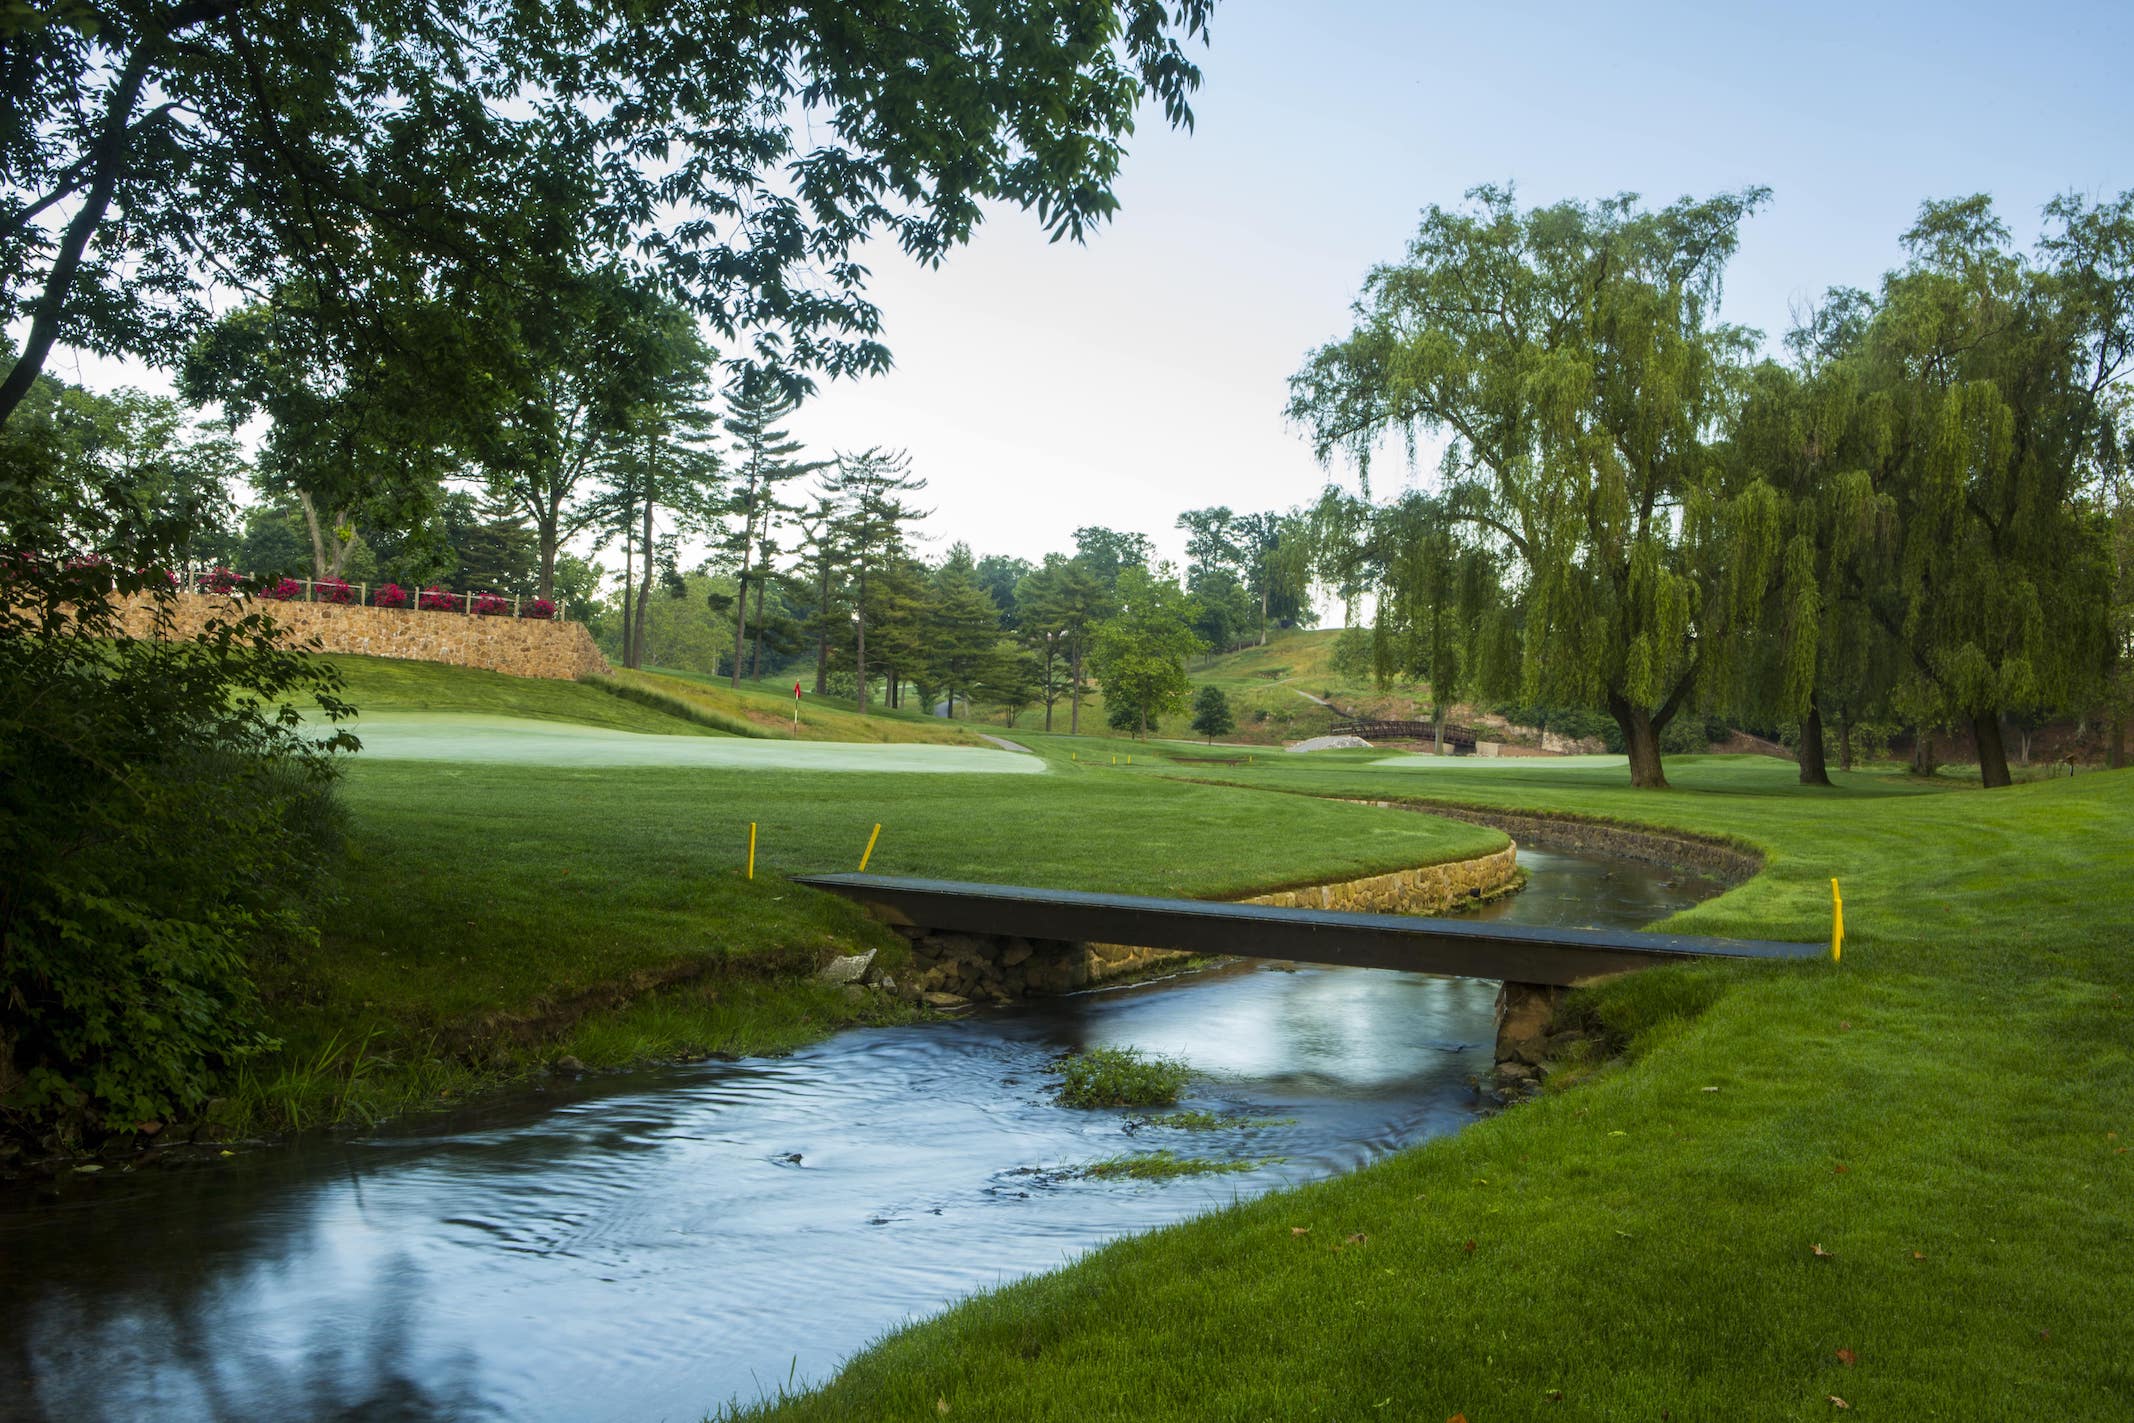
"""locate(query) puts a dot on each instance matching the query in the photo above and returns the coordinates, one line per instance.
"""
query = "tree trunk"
(629, 591)
(1074, 691)
(822, 629)
(1923, 762)
(859, 624)
(1050, 695)
(644, 590)
(318, 537)
(2115, 743)
(1815, 771)
(755, 660)
(1641, 739)
(547, 589)
(1437, 730)
(1992, 754)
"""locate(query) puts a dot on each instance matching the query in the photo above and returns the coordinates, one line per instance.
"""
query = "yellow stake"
(1115, 760)
(1837, 921)
(752, 849)
(1129, 758)
(866, 854)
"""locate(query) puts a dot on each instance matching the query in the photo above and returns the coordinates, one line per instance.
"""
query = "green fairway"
(491, 914)
(1900, 1181)
(387, 684)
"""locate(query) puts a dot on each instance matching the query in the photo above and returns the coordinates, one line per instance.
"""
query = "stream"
(654, 1244)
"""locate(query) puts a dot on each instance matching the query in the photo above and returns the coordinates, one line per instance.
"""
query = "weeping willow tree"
(1966, 410)
(1822, 658)
(1442, 612)
(1570, 358)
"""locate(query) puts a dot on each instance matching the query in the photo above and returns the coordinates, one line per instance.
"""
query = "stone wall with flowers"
(523, 647)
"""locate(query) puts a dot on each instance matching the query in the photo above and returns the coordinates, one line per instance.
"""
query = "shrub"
(163, 816)
(334, 590)
(282, 590)
(222, 580)
(438, 599)
(1121, 1077)
(537, 608)
(490, 605)
(392, 595)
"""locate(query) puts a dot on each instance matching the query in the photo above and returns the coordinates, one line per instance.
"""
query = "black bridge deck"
(1466, 948)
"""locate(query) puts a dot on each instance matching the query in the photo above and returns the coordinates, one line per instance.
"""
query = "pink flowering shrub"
(491, 605)
(223, 580)
(392, 595)
(334, 590)
(538, 608)
(283, 590)
(438, 599)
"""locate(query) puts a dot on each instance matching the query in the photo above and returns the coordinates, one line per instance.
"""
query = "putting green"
(1414, 762)
(437, 736)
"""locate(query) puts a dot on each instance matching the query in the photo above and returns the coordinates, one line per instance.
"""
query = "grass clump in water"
(1197, 1120)
(1168, 1165)
(1121, 1077)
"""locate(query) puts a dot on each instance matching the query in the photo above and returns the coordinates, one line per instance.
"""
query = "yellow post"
(1115, 760)
(1129, 758)
(868, 853)
(1837, 921)
(752, 849)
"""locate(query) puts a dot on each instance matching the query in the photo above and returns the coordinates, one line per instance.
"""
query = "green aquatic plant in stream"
(1121, 1077)
(1168, 1165)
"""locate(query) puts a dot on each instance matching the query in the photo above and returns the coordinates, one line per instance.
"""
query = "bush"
(222, 580)
(334, 590)
(282, 590)
(1121, 1077)
(490, 605)
(392, 595)
(538, 608)
(439, 599)
(163, 816)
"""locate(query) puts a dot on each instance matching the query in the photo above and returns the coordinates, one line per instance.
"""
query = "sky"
(1042, 386)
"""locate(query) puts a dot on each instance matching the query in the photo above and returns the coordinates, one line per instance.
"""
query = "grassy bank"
(488, 918)
(1897, 1187)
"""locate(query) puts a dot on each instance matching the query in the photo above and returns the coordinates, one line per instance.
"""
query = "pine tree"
(763, 462)
(873, 521)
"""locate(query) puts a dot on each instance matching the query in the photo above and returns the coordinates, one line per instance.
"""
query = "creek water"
(652, 1245)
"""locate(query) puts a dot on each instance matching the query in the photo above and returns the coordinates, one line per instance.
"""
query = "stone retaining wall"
(949, 970)
(1728, 863)
(523, 647)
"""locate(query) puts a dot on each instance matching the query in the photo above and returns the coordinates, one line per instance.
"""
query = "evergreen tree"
(763, 462)
(963, 625)
(1212, 716)
(1062, 603)
(873, 522)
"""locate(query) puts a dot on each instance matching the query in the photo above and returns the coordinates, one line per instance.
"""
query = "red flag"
(796, 691)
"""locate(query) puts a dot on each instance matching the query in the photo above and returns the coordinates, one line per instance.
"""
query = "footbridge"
(1535, 963)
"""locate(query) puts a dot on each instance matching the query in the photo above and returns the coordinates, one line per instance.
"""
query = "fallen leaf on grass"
(1555, 1395)
(941, 1405)
(1919, 1255)
(1470, 1247)
(1708, 1089)
(1820, 1253)
(1840, 1169)
(2045, 1334)
(1300, 1230)
(1358, 1238)
(1457, 1418)
(1837, 1402)
(1846, 1357)
(1844, 1027)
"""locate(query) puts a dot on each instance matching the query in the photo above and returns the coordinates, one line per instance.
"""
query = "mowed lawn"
(490, 916)
(1895, 1187)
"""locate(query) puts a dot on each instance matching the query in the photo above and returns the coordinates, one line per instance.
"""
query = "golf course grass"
(1892, 1186)
(1895, 1186)
(511, 891)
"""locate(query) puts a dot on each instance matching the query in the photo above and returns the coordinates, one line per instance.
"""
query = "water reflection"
(649, 1246)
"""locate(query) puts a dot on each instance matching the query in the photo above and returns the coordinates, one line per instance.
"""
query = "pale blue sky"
(1044, 386)
(1041, 386)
